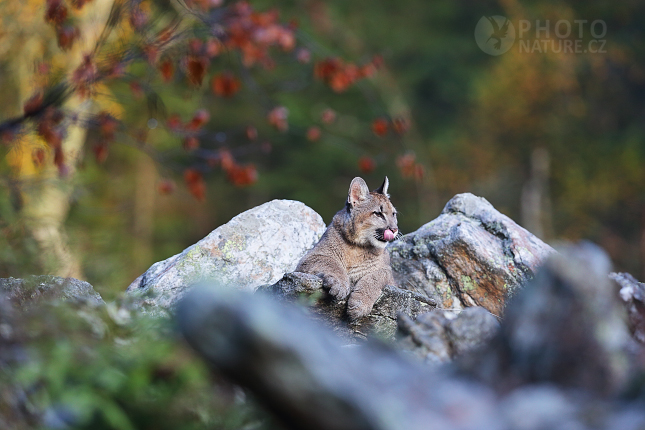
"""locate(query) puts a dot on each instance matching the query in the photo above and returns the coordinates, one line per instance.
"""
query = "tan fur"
(349, 257)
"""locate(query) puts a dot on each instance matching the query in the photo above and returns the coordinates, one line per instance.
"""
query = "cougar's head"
(372, 218)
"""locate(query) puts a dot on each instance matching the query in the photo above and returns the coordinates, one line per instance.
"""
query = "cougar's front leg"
(332, 273)
(366, 292)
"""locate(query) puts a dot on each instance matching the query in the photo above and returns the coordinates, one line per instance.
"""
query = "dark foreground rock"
(471, 255)
(382, 321)
(559, 360)
(566, 327)
(441, 336)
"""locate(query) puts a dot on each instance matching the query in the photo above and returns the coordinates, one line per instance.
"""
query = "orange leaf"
(225, 85)
(400, 125)
(196, 69)
(366, 164)
(328, 116)
(226, 160)
(191, 143)
(278, 118)
(66, 36)
(166, 187)
(56, 12)
(100, 152)
(241, 176)
(379, 127)
(200, 118)
(38, 157)
(33, 104)
(251, 132)
(304, 56)
(174, 122)
(195, 182)
(313, 133)
(407, 165)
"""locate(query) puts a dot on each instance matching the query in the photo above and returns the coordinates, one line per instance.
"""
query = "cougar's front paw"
(357, 308)
(338, 289)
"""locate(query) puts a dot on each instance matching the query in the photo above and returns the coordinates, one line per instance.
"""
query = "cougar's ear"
(358, 191)
(383, 188)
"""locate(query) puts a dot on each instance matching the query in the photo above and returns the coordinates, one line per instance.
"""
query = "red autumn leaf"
(47, 127)
(151, 53)
(368, 70)
(226, 160)
(66, 36)
(59, 157)
(241, 176)
(200, 118)
(380, 126)
(327, 68)
(419, 172)
(85, 76)
(225, 85)
(138, 18)
(196, 69)
(340, 82)
(166, 187)
(400, 125)
(366, 164)
(213, 48)
(313, 133)
(337, 74)
(303, 56)
(107, 125)
(78, 4)
(34, 104)
(137, 89)
(195, 46)
(191, 143)
(50, 135)
(100, 152)
(174, 122)
(56, 12)
(328, 116)
(38, 157)
(278, 118)
(251, 132)
(287, 40)
(378, 62)
(407, 165)
(115, 70)
(195, 183)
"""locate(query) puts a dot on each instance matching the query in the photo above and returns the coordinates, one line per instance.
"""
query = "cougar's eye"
(379, 214)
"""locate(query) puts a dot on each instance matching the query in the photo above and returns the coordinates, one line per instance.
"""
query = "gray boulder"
(381, 322)
(632, 293)
(255, 248)
(471, 255)
(22, 292)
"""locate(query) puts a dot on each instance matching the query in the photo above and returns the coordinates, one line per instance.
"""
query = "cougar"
(350, 257)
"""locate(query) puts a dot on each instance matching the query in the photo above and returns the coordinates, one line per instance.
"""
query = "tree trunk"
(46, 193)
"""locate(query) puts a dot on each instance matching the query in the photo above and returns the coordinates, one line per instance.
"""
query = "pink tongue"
(388, 235)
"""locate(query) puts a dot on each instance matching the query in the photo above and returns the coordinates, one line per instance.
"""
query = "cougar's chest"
(362, 264)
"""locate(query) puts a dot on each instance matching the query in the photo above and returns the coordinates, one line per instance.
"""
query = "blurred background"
(553, 139)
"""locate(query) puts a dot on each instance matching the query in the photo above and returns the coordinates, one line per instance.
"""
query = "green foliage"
(107, 368)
